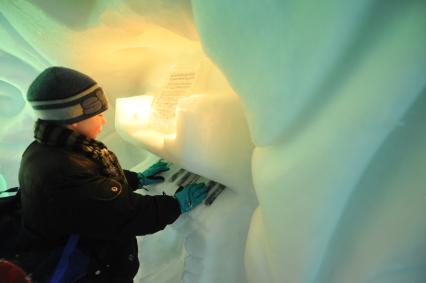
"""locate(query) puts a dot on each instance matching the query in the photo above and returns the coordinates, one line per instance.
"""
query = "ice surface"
(316, 163)
(198, 244)
(211, 137)
(312, 115)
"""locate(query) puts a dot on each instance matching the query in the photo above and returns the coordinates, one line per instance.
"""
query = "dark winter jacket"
(64, 192)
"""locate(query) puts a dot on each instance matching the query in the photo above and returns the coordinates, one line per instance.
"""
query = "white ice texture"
(311, 113)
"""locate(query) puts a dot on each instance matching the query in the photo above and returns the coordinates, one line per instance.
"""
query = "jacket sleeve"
(100, 207)
(132, 179)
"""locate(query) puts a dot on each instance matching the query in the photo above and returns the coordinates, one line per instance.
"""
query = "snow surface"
(311, 113)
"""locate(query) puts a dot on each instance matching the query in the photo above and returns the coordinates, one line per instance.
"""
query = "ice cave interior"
(311, 114)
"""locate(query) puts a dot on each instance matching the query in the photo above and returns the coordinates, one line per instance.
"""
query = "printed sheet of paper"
(178, 86)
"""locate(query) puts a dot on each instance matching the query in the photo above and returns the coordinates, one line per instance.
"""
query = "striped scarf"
(56, 135)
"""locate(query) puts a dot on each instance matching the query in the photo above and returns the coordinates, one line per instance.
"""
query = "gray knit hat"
(65, 96)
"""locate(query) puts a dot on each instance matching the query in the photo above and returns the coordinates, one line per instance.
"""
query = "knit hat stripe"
(89, 99)
(65, 100)
(85, 107)
(56, 114)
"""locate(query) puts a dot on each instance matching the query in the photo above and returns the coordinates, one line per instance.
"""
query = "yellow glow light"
(134, 110)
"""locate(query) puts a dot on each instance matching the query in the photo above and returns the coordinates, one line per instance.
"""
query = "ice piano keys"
(177, 177)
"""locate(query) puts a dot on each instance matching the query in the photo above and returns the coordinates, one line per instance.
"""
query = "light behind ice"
(311, 113)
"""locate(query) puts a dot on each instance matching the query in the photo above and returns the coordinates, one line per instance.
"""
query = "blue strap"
(64, 261)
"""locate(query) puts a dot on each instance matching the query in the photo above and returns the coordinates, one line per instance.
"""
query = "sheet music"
(179, 84)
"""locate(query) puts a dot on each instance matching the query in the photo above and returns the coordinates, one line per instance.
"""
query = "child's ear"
(73, 125)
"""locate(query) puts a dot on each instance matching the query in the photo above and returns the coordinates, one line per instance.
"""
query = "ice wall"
(336, 111)
(208, 136)
(334, 98)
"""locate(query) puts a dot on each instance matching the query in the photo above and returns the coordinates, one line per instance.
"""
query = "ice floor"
(312, 114)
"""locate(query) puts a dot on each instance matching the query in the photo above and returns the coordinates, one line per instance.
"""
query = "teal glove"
(190, 196)
(150, 175)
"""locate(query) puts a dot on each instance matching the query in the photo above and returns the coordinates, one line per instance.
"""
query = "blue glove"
(190, 196)
(150, 177)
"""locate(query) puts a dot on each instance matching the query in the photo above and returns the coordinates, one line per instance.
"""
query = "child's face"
(90, 127)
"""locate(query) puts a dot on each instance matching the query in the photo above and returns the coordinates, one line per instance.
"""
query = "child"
(71, 184)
